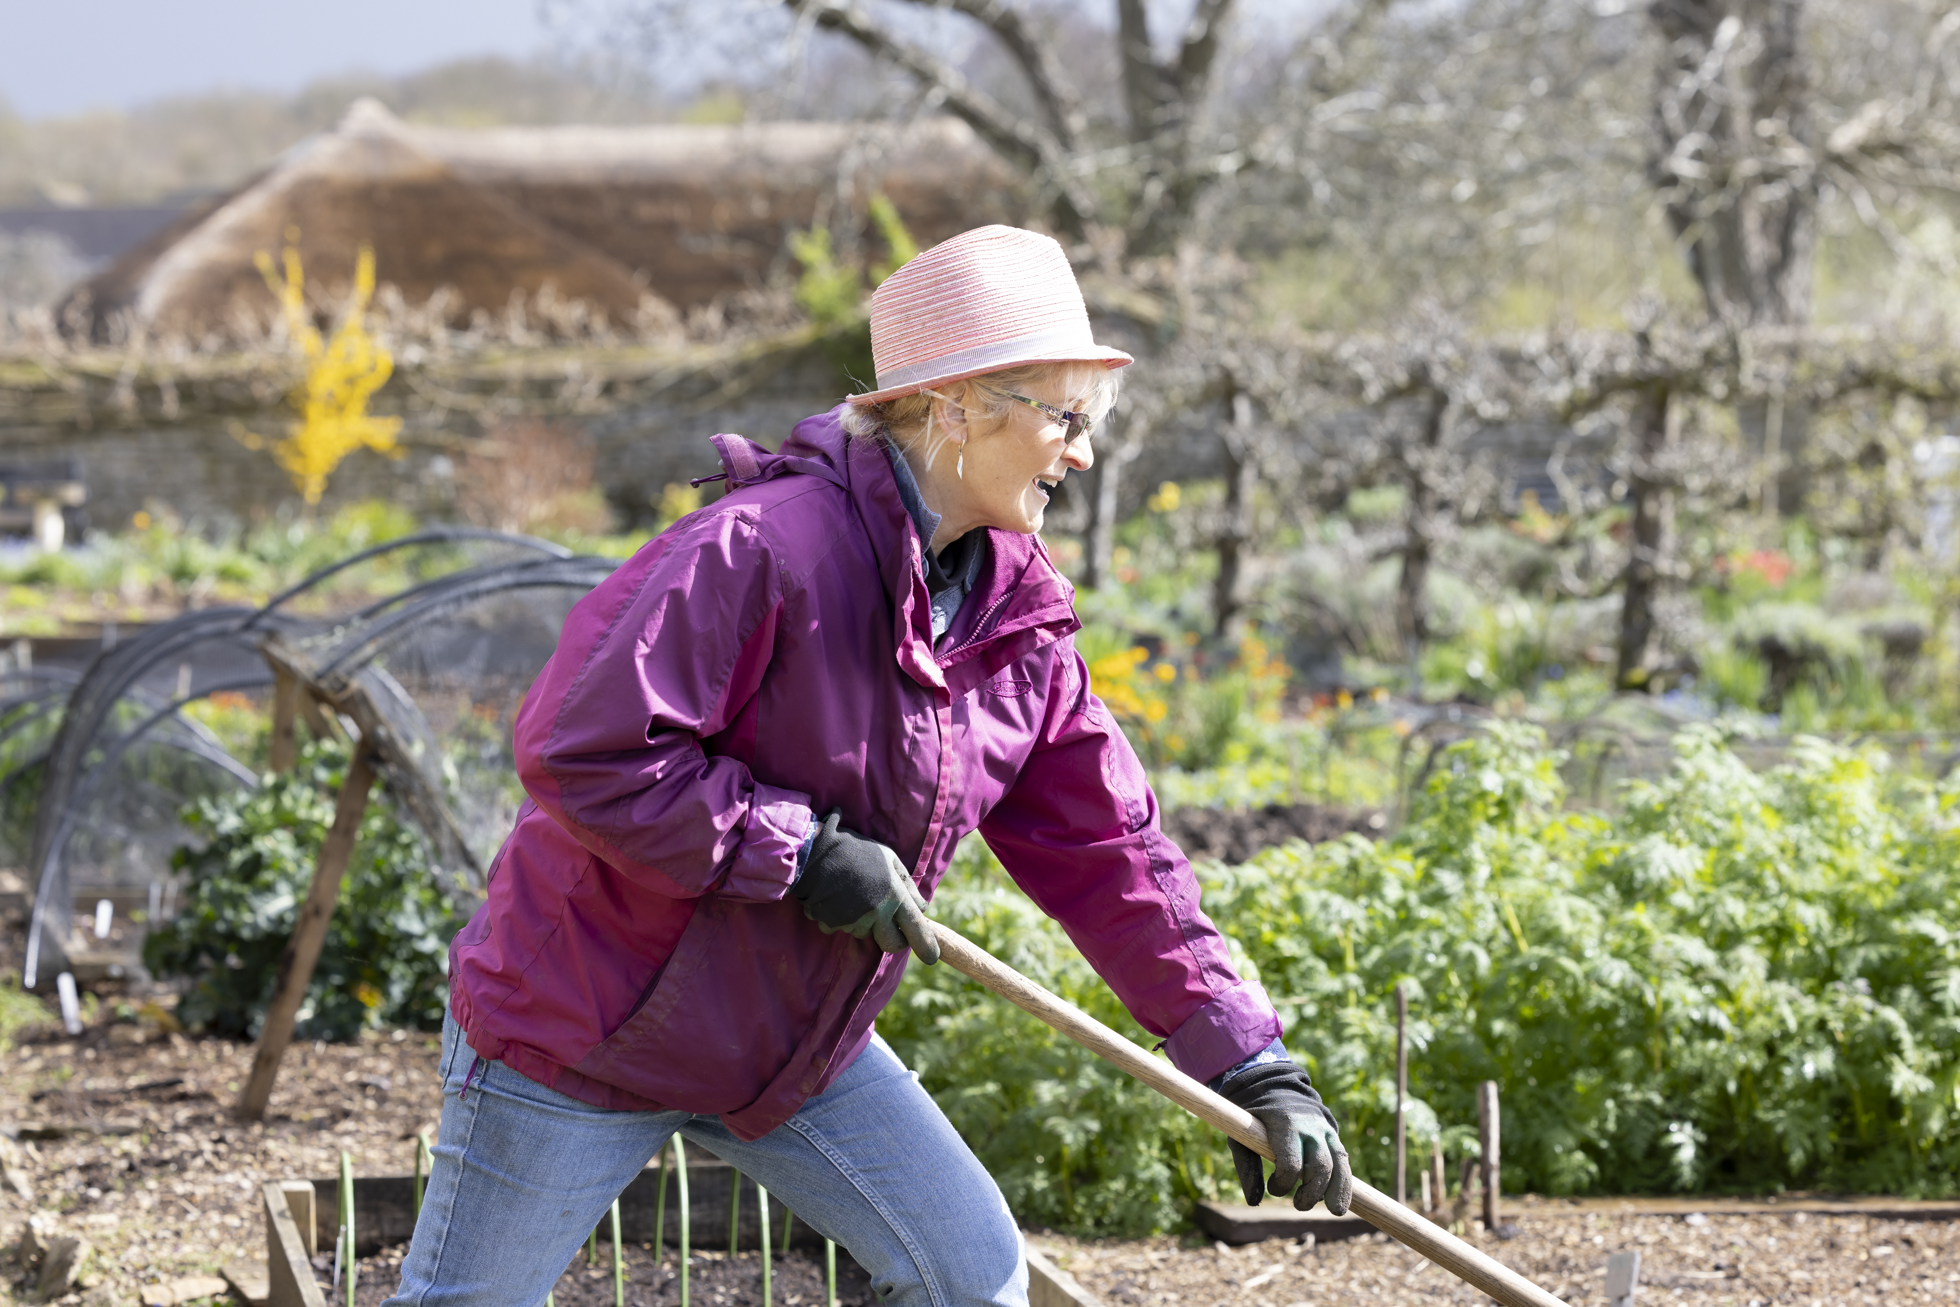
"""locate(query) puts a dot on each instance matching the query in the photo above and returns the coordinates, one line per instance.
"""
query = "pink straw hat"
(991, 298)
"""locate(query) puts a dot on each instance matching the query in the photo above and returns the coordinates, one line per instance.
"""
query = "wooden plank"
(1051, 1286)
(289, 1274)
(384, 1206)
(1236, 1224)
(309, 934)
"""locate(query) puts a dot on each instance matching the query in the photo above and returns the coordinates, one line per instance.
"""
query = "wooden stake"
(285, 714)
(1401, 1093)
(1487, 1134)
(1371, 1205)
(309, 934)
(1438, 1178)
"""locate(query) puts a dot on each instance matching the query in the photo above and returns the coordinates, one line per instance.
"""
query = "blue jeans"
(522, 1174)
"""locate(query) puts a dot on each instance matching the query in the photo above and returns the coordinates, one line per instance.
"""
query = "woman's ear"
(950, 410)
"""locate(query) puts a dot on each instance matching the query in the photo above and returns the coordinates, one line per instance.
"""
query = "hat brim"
(1110, 358)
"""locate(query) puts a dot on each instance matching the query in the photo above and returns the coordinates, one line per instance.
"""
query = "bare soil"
(125, 1133)
(1697, 1261)
(1235, 836)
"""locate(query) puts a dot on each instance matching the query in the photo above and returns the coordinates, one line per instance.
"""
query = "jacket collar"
(1019, 603)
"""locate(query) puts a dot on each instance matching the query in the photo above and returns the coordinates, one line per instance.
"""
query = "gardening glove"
(1304, 1137)
(857, 885)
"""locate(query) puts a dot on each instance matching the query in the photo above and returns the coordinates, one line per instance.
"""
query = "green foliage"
(1073, 1143)
(1741, 982)
(162, 563)
(386, 951)
(831, 290)
(20, 1012)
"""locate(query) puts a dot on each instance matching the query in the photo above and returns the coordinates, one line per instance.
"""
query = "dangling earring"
(959, 466)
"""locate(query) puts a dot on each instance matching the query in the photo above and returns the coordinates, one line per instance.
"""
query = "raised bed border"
(384, 1214)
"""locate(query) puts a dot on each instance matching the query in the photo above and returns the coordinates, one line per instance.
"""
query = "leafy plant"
(386, 951)
(1741, 982)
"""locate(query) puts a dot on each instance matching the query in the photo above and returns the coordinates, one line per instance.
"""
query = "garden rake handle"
(1371, 1205)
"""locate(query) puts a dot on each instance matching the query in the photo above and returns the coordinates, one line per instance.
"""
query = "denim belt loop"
(464, 1094)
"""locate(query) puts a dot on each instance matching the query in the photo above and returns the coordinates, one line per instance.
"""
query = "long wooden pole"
(309, 935)
(1371, 1205)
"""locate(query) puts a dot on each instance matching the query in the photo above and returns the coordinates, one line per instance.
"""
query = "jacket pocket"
(752, 990)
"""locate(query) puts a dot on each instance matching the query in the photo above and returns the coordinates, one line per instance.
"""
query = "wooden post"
(1401, 1093)
(1438, 1178)
(309, 934)
(285, 712)
(1487, 1134)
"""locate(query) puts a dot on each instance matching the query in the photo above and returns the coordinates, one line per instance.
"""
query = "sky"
(63, 57)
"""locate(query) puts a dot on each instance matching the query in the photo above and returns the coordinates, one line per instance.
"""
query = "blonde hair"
(908, 418)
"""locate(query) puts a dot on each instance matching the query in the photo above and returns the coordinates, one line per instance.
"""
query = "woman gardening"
(749, 762)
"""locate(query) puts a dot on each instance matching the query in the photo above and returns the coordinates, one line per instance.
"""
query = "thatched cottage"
(608, 216)
(627, 225)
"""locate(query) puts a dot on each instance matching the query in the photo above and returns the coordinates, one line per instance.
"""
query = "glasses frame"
(1079, 425)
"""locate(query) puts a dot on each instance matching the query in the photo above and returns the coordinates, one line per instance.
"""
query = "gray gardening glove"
(1304, 1137)
(858, 885)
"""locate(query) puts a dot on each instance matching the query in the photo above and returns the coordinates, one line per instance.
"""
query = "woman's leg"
(521, 1175)
(874, 1164)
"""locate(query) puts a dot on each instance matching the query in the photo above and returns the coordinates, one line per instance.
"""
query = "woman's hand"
(1307, 1148)
(858, 885)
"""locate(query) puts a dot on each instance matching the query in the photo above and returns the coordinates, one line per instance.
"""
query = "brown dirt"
(1233, 837)
(713, 1280)
(164, 1185)
(157, 1176)
(1703, 1261)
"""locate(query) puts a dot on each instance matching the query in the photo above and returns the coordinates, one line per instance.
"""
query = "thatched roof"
(364, 183)
(602, 215)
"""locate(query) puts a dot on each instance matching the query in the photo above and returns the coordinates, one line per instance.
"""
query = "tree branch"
(1046, 77)
(1147, 88)
(1200, 51)
(1024, 143)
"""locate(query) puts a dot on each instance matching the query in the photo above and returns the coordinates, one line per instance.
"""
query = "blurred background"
(1490, 351)
(1531, 396)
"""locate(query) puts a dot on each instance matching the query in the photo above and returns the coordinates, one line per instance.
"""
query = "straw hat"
(991, 298)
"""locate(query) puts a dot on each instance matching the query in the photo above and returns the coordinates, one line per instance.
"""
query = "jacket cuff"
(1224, 1032)
(778, 827)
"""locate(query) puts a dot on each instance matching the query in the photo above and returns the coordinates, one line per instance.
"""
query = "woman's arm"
(1078, 831)
(659, 657)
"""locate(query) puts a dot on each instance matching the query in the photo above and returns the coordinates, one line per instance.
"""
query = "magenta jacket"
(768, 656)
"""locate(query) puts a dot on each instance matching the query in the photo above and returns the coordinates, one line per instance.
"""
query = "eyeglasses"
(1079, 424)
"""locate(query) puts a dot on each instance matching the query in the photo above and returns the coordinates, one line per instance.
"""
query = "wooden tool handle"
(1371, 1205)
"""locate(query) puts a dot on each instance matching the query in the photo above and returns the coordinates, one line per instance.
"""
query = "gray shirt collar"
(947, 592)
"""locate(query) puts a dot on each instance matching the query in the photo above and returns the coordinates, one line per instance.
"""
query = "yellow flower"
(369, 996)
(342, 373)
(1164, 672)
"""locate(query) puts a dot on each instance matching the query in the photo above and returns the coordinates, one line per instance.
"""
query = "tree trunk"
(1732, 107)
(1235, 520)
(1105, 506)
(1419, 543)
(1652, 502)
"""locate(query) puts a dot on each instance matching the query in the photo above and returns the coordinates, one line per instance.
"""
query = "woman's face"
(1012, 468)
